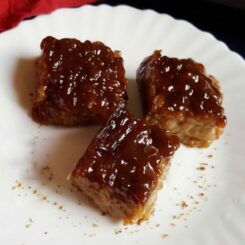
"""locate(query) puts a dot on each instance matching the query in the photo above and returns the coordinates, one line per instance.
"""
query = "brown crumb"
(60, 207)
(183, 205)
(164, 235)
(173, 224)
(201, 194)
(118, 231)
(34, 192)
(204, 164)
(201, 168)
(19, 185)
(30, 222)
(45, 232)
(44, 198)
(157, 225)
(210, 156)
(94, 225)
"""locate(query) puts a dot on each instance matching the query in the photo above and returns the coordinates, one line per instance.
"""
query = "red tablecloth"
(12, 12)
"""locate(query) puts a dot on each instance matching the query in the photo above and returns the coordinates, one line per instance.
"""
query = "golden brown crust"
(192, 131)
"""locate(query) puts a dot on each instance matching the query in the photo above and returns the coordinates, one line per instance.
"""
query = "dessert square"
(79, 83)
(123, 167)
(179, 96)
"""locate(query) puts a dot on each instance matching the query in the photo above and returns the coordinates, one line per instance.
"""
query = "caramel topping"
(127, 155)
(81, 78)
(181, 85)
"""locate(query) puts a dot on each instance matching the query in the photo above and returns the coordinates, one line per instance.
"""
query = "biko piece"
(179, 96)
(78, 83)
(123, 166)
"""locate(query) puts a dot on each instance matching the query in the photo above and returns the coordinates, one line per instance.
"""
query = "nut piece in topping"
(78, 83)
(124, 165)
(179, 96)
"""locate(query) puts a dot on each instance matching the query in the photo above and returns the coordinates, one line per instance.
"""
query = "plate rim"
(210, 35)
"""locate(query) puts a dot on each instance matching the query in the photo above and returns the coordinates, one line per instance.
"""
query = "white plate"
(26, 217)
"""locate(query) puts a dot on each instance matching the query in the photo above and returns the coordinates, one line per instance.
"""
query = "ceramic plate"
(203, 201)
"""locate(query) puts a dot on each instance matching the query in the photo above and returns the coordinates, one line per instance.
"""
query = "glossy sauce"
(183, 84)
(126, 156)
(82, 78)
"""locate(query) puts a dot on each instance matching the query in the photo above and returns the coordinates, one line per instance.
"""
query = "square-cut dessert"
(78, 82)
(179, 96)
(123, 167)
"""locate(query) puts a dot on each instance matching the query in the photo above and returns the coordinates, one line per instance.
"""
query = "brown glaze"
(183, 86)
(127, 155)
(84, 80)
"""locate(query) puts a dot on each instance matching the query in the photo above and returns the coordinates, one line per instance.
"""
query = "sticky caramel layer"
(126, 156)
(173, 86)
(78, 82)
